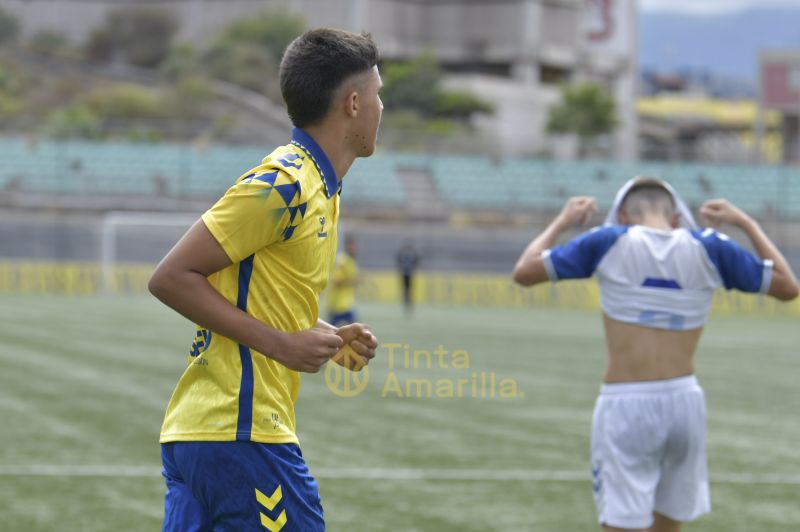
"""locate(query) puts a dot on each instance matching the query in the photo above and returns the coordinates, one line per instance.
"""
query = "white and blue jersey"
(658, 278)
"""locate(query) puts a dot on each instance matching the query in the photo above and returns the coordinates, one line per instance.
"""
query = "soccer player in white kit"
(657, 272)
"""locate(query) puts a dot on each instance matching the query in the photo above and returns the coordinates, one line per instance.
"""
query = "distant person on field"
(657, 273)
(407, 260)
(250, 273)
(342, 293)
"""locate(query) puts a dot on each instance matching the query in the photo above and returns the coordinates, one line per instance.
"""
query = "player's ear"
(676, 220)
(622, 216)
(351, 103)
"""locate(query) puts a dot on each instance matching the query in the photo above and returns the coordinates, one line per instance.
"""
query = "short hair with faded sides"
(648, 196)
(314, 67)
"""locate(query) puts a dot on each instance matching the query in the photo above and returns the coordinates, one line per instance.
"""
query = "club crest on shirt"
(201, 342)
(322, 233)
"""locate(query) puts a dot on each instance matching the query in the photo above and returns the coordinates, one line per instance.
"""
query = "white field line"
(358, 473)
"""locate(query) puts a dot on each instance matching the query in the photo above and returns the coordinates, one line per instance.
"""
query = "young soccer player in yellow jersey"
(342, 293)
(249, 273)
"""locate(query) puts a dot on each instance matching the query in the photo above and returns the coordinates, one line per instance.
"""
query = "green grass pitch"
(84, 383)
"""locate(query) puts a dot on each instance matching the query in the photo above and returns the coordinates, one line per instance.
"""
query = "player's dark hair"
(651, 196)
(316, 64)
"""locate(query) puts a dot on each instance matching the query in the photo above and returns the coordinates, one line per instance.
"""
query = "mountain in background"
(727, 45)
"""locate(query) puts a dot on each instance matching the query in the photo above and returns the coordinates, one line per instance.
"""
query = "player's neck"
(654, 221)
(335, 144)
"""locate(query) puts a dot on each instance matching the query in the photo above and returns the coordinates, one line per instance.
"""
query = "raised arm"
(180, 281)
(530, 268)
(784, 284)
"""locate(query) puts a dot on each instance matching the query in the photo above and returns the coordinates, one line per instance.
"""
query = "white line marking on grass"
(54, 470)
(357, 473)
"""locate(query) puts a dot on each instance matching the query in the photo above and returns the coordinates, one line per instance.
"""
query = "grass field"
(84, 383)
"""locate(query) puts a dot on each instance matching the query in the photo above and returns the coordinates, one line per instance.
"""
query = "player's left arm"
(530, 268)
(783, 284)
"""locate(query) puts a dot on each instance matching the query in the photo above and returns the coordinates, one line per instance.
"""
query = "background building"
(780, 90)
(514, 53)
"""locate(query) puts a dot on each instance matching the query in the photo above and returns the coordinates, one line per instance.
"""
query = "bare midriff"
(639, 353)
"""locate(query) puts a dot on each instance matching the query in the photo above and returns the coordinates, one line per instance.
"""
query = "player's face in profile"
(370, 114)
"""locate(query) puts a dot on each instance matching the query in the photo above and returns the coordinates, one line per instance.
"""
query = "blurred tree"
(587, 110)
(248, 52)
(181, 62)
(10, 82)
(141, 35)
(272, 30)
(461, 105)
(101, 45)
(74, 121)
(416, 85)
(245, 64)
(12, 90)
(9, 27)
(126, 101)
(412, 85)
(47, 42)
(190, 97)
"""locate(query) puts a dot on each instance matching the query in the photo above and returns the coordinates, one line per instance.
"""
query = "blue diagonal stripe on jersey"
(267, 178)
(288, 192)
(245, 422)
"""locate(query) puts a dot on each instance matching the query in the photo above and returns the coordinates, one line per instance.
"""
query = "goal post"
(150, 235)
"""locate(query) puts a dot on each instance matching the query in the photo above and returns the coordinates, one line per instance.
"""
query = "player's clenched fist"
(577, 211)
(721, 211)
(307, 350)
(359, 346)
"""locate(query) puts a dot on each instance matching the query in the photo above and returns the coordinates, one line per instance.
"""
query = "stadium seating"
(465, 182)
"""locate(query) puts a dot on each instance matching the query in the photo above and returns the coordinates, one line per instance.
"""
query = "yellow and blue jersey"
(278, 225)
(341, 295)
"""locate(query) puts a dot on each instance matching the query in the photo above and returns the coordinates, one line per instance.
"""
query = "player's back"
(656, 289)
(658, 278)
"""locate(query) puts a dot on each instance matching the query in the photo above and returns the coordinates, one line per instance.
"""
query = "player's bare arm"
(180, 281)
(784, 284)
(530, 269)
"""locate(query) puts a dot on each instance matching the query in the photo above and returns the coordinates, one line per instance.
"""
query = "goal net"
(131, 243)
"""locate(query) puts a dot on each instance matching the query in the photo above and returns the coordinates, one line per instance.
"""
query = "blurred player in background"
(407, 261)
(657, 272)
(342, 293)
(249, 273)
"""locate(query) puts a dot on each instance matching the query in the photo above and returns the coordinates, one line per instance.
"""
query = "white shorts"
(649, 452)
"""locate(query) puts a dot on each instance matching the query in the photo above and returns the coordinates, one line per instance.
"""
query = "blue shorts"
(343, 318)
(239, 486)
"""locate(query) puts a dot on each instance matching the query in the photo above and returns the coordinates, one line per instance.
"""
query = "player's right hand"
(721, 211)
(307, 350)
(578, 210)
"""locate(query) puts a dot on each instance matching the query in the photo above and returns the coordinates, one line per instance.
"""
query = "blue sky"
(711, 7)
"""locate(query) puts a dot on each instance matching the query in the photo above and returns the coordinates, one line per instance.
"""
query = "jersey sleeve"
(578, 258)
(737, 267)
(262, 208)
